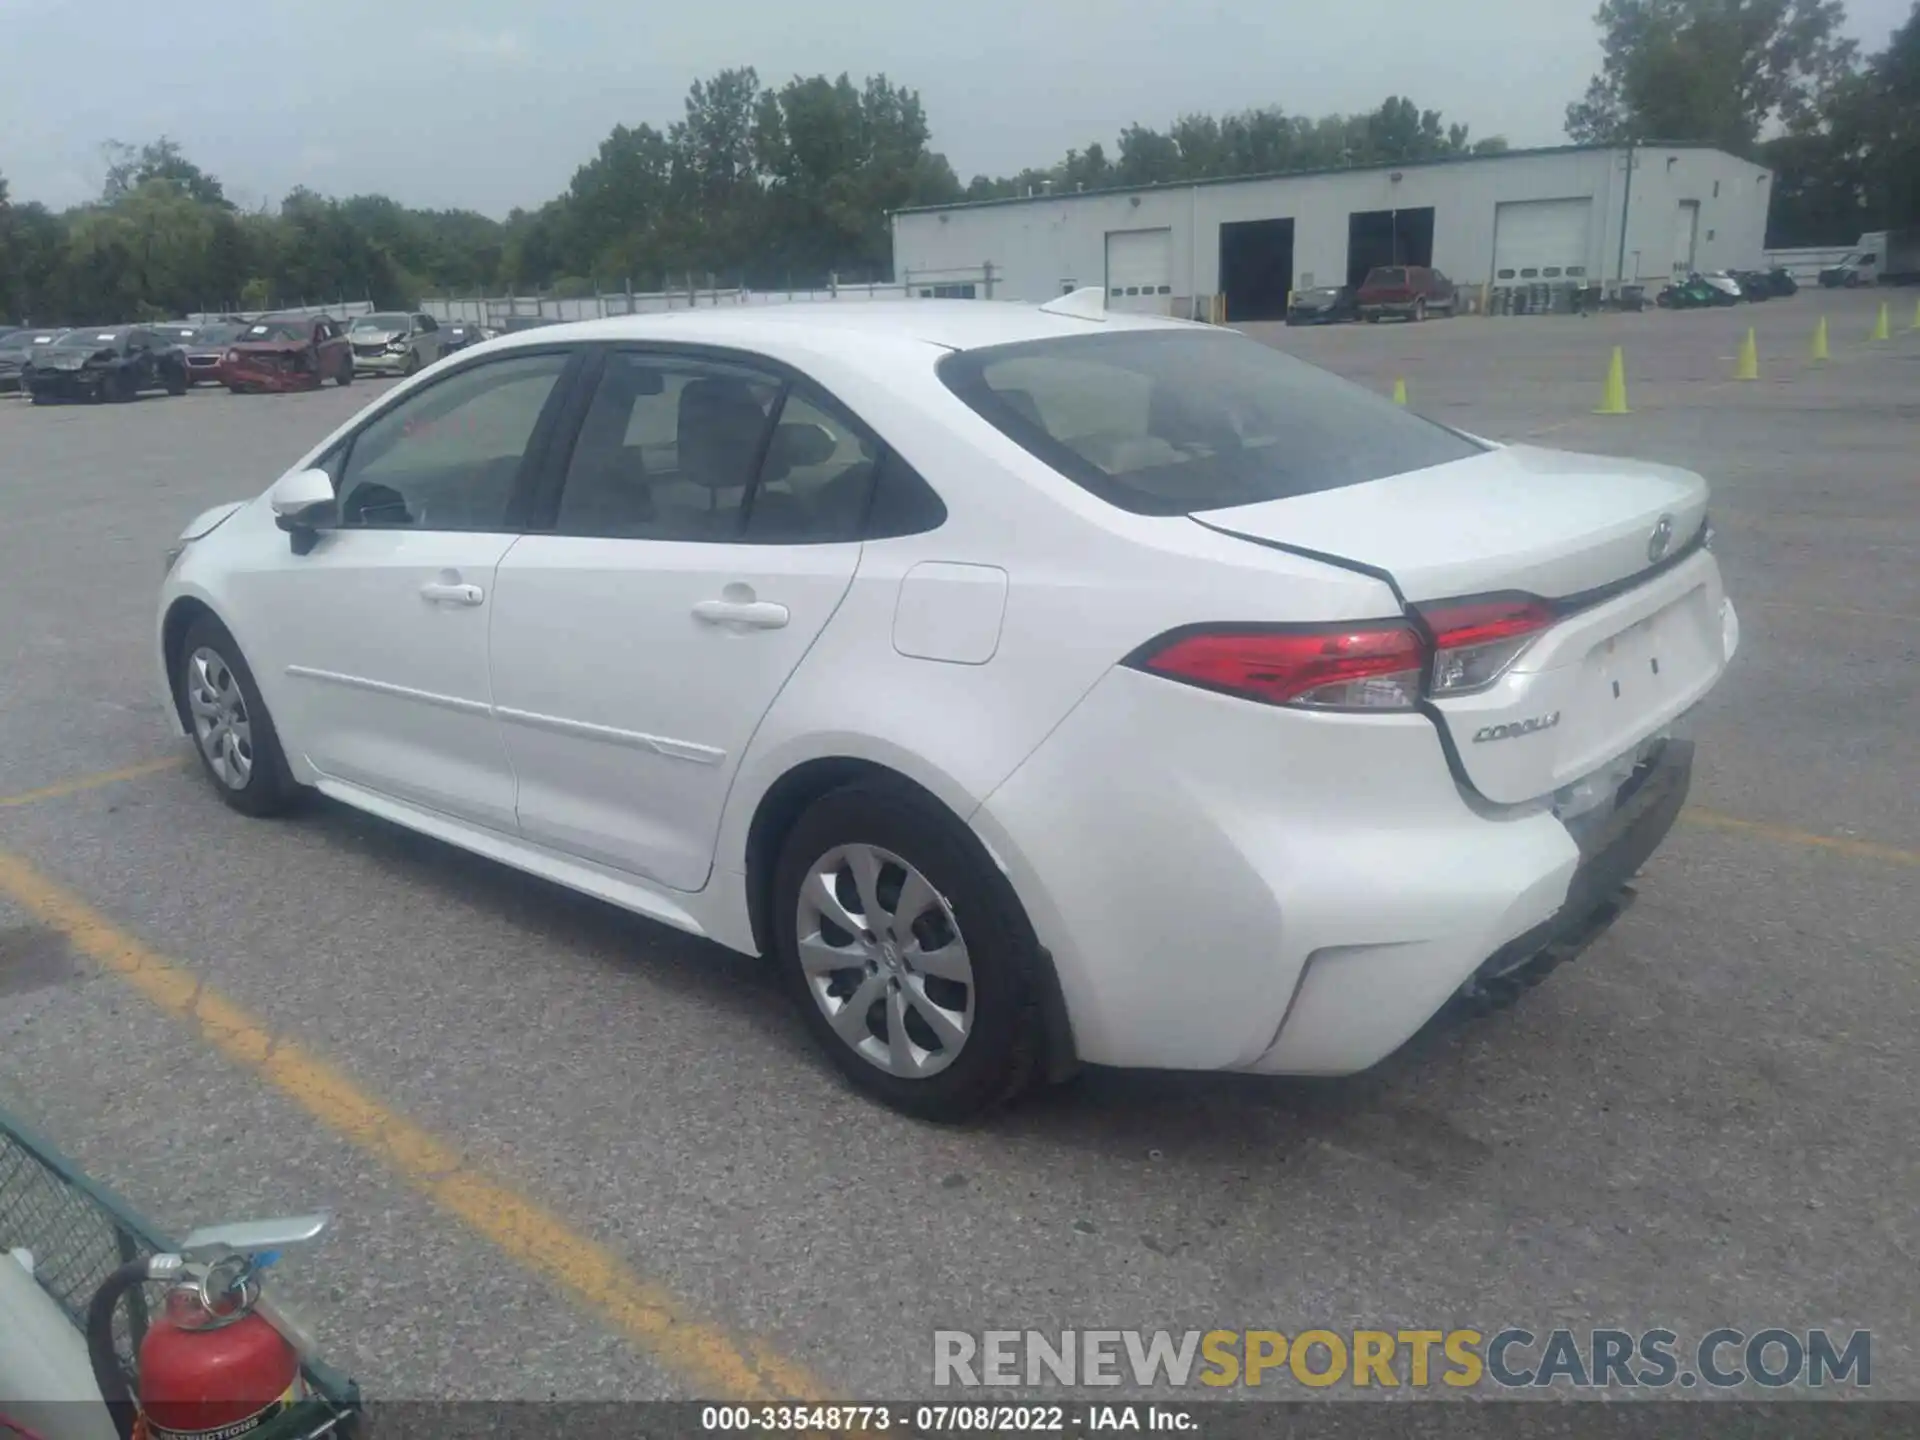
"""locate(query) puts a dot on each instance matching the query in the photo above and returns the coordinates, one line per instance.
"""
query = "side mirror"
(301, 491)
(296, 500)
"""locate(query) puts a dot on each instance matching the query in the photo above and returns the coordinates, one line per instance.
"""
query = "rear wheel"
(1419, 310)
(913, 963)
(232, 732)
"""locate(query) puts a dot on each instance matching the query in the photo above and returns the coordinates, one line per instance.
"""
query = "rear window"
(1163, 422)
(1388, 275)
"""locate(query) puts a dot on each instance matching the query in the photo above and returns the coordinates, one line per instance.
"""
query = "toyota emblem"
(1661, 538)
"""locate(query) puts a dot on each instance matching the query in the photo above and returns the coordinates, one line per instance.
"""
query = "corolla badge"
(1515, 729)
(1661, 538)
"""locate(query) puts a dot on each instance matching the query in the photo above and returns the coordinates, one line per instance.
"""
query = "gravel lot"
(1708, 1120)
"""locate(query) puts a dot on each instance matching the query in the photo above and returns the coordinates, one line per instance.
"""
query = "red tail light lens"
(1373, 666)
(1476, 641)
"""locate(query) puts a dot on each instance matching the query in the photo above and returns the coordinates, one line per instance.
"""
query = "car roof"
(843, 324)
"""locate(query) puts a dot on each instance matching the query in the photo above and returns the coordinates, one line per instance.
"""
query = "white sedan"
(1035, 686)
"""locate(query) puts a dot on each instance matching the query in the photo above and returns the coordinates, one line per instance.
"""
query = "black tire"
(345, 377)
(269, 787)
(176, 384)
(1002, 1053)
(235, 390)
(413, 363)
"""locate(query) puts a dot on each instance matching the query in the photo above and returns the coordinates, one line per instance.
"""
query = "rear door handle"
(752, 614)
(440, 591)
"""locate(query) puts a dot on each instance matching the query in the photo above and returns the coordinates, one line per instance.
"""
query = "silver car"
(394, 343)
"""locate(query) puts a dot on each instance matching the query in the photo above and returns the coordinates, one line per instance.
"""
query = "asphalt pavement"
(573, 1154)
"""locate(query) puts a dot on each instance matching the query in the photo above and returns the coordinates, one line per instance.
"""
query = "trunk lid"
(1516, 518)
(1641, 636)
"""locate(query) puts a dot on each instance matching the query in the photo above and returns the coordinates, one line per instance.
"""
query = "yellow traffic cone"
(1749, 366)
(1399, 391)
(1881, 331)
(1820, 340)
(1613, 400)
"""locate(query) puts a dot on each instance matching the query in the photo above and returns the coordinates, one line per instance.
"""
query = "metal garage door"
(1540, 241)
(1140, 270)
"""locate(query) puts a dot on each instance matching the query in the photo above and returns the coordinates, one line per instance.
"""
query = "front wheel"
(345, 377)
(911, 959)
(233, 734)
(413, 362)
(176, 384)
(1419, 311)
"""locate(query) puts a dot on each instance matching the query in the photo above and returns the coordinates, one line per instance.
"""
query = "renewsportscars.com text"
(1511, 1358)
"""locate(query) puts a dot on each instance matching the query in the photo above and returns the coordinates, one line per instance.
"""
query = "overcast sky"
(489, 105)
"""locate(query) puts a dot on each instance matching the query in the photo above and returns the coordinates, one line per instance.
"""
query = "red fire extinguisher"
(211, 1366)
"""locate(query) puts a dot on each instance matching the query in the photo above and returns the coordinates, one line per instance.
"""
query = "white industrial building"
(1572, 215)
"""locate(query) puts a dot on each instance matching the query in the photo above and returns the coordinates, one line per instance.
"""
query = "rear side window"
(1163, 422)
(815, 478)
(1388, 275)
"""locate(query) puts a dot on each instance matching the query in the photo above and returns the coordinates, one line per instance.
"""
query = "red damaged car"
(287, 352)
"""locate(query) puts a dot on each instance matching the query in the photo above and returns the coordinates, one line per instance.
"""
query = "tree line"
(770, 186)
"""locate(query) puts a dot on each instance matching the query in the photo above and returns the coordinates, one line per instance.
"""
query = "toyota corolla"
(1034, 686)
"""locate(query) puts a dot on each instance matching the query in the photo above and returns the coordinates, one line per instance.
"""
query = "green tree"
(130, 167)
(1720, 71)
(1854, 164)
(1148, 157)
(1888, 126)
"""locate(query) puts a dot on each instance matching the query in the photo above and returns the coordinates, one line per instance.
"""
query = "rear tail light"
(1374, 666)
(1475, 641)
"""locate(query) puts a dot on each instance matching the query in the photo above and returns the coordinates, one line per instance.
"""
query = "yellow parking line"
(719, 1364)
(94, 782)
(1786, 835)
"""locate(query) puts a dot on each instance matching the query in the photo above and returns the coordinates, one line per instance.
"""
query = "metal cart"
(79, 1233)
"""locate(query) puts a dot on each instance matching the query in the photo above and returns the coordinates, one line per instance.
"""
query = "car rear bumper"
(1229, 886)
(1600, 891)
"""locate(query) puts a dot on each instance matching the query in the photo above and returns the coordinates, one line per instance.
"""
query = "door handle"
(452, 594)
(752, 614)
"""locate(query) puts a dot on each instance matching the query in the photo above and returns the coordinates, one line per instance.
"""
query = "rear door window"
(668, 449)
(1164, 423)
